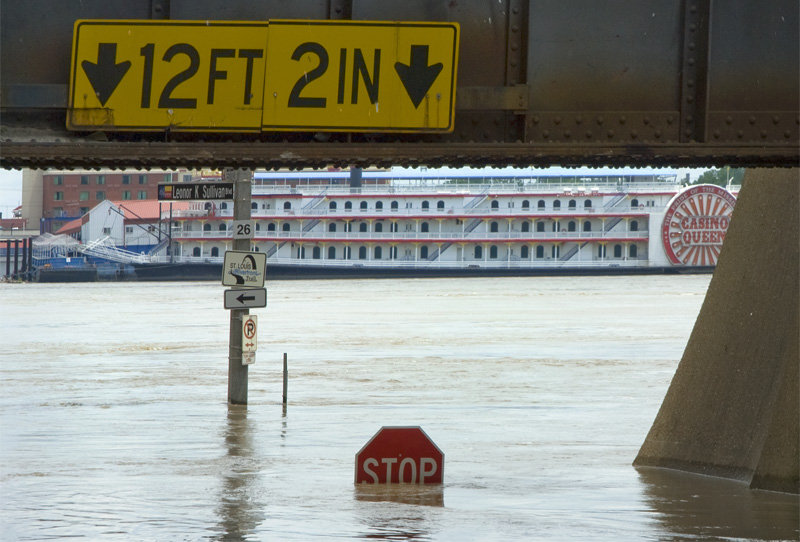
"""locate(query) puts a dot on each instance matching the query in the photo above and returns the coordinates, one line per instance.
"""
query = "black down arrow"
(417, 76)
(106, 74)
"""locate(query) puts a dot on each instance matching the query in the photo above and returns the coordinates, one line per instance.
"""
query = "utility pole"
(237, 371)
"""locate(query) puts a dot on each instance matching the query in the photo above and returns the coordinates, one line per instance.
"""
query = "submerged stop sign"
(398, 455)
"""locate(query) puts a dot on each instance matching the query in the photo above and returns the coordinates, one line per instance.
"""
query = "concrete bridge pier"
(733, 407)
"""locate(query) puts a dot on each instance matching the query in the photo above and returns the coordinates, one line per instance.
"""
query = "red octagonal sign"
(397, 455)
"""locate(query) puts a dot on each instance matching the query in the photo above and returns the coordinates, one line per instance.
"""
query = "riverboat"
(388, 224)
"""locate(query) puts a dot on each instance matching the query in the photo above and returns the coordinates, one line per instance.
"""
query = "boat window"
(540, 251)
(332, 206)
(526, 226)
(423, 253)
(394, 227)
(196, 252)
(425, 205)
(494, 227)
(394, 206)
(393, 252)
(362, 227)
(554, 252)
(440, 205)
(378, 253)
(572, 204)
(332, 226)
(618, 251)
(540, 226)
(493, 252)
(315, 254)
(540, 204)
(424, 227)
(271, 226)
(495, 205)
(378, 227)
(587, 226)
(363, 205)
(253, 206)
(287, 227)
(222, 227)
(556, 204)
(346, 253)
(287, 205)
(634, 203)
(348, 226)
(478, 252)
(526, 204)
(523, 253)
(348, 205)
(571, 226)
(633, 252)
(362, 253)
(379, 206)
(587, 204)
(215, 252)
(601, 251)
(223, 206)
(258, 226)
(634, 225)
(331, 253)
(206, 227)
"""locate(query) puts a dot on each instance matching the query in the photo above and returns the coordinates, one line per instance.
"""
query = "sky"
(11, 180)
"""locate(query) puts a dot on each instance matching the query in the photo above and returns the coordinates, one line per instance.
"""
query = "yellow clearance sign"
(254, 76)
(175, 75)
(361, 76)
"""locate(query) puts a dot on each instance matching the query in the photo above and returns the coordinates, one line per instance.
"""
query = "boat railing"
(406, 262)
(566, 187)
(417, 213)
(415, 235)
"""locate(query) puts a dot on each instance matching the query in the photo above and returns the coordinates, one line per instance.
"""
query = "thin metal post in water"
(8, 258)
(285, 380)
(237, 373)
(16, 257)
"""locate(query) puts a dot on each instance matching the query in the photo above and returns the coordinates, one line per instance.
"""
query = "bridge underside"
(539, 82)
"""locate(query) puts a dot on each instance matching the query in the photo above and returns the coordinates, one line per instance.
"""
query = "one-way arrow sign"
(106, 74)
(251, 298)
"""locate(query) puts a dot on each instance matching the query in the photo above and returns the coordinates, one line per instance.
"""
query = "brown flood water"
(114, 423)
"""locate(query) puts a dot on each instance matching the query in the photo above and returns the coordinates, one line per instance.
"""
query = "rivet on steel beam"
(623, 119)
(610, 133)
(557, 120)
(729, 120)
(515, 10)
(634, 134)
(546, 133)
(579, 119)
(600, 120)
(588, 134)
(787, 134)
(763, 134)
(740, 134)
(567, 134)
(776, 119)
(690, 99)
(670, 119)
(751, 119)
(646, 120)
(657, 133)
(690, 62)
(716, 134)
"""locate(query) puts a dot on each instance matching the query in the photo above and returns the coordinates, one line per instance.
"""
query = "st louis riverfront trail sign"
(244, 269)
(253, 76)
(397, 455)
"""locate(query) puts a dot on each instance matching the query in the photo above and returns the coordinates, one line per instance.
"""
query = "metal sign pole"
(237, 372)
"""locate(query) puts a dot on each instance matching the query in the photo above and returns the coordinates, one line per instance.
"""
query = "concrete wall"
(732, 407)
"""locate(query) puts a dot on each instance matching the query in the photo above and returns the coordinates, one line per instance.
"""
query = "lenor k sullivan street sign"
(195, 191)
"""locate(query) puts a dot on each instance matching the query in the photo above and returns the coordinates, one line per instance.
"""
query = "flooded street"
(539, 391)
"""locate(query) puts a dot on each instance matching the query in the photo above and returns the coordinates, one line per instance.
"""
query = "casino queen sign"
(695, 225)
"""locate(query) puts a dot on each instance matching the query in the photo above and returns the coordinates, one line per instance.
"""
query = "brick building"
(55, 197)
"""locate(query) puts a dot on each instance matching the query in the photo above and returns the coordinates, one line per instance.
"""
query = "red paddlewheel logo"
(695, 225)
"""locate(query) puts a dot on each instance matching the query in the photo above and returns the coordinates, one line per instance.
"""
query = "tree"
(721, 177)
